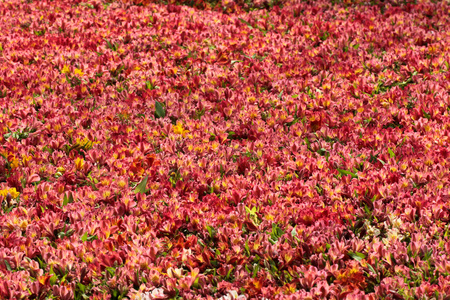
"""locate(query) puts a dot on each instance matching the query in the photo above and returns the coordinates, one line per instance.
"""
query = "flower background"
(289, 150)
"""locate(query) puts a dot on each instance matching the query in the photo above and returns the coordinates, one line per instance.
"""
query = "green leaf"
(159, 110)
(391, 153)
(42, 265)
(372, 269)
(211, 231)
(308, 144)
(67, 199)
(276, 233)
(280, 94)
(82, 287)
(92, 238)
(356, 255)
(250, 211)
(141, 187)
(246, 23)
(255, 270)
(195, 284)
(150, 85)
(111, 45)
(294, 232)
(69, 80)
(64, 277)
(53, 280)
(247, 248)
(229, 273)
(111, 271)
(84, 237)
(119, 70)
(8, 266)
(345, 173)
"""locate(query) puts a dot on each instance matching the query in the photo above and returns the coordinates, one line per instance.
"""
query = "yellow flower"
(14, 163)
(178, 129)
(12, 191)
(121, 183)
(79, 163)
(65, 69)
(79, 72)
(26, 159)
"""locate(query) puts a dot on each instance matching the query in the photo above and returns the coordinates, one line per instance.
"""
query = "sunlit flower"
(65, 69)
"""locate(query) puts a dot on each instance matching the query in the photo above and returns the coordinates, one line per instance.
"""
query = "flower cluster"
(224, 149)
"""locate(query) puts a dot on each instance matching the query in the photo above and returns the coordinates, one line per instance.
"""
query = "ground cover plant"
(224, 149)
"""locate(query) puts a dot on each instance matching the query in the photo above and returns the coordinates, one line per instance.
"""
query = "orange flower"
(352, 277)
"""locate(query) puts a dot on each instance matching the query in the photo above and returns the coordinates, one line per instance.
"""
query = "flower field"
(279, 149)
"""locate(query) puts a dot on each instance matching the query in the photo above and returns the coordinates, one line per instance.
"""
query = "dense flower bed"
(224, 150)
